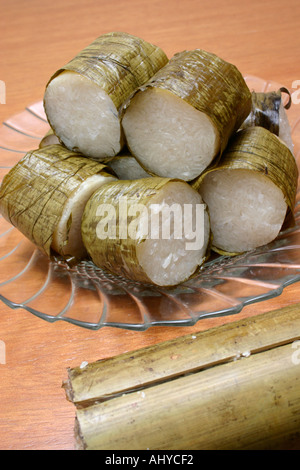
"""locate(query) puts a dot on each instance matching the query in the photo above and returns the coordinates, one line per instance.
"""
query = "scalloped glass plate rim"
(145, 326)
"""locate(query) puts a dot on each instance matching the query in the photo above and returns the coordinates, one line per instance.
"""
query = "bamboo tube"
(189, 394)
(189, 414)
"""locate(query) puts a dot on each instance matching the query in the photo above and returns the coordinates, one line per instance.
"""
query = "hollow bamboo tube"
(231, 387)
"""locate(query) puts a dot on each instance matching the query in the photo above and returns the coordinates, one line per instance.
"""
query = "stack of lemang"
(149, 163)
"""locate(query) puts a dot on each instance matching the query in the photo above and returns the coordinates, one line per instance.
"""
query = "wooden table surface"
(260, 38)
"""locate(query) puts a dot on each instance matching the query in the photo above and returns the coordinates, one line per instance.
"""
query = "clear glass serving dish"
(86, 296)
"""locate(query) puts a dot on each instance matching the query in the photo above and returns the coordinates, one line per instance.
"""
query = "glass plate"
(86, 296)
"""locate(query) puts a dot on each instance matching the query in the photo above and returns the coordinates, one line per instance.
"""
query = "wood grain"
(36, 39)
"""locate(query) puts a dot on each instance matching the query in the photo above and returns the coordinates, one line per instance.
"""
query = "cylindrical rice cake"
(153, 230)
(44, 196)
(83, 99)
(251, 192)
(182, 118)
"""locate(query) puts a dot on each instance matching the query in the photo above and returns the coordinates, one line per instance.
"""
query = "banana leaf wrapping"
(118, 255)
(258, 149)
(118, 62)
(209, 84)
(265, 110)
(116, 249)
(34, 192)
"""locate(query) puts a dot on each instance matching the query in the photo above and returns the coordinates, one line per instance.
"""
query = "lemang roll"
(179, 121)
(83, 98)
(251, 192)
(154, 230)
(45, 193)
